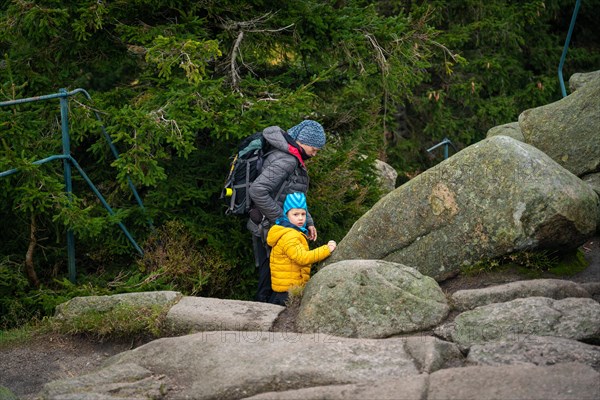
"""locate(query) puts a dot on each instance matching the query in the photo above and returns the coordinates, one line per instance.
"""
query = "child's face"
(297, 216)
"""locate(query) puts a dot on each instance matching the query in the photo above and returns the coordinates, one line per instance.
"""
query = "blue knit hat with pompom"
(308, 132)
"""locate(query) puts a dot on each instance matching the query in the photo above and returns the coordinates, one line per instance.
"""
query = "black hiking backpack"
(246, 166)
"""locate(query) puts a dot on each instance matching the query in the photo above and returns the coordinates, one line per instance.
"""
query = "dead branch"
(235, 76)
(444, 48)
(241, 27)
(381, 60)
(379, 53)
(245, 25)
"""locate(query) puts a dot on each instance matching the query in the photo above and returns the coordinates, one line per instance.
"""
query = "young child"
(291, 259)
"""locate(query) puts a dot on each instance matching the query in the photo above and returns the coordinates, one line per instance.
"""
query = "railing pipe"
(32, 99)
(113, 149)
(38, 162)
(105, 204)
(66, 147)
(445, 142)
(565, 48)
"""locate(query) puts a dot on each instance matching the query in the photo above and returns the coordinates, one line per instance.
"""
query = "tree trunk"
(29, 268)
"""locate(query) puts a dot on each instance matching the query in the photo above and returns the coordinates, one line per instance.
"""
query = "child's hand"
(332, 245)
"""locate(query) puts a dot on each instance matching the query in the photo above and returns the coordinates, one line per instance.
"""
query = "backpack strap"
(283, 186)
(286, 183)
(247, 183)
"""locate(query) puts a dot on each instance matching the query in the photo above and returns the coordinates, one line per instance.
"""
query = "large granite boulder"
(205, 367)
(370, 298)
(569, 381)
(567, 130)
(410, 388)
(594, 181)
(580, 79)
(183, 314)
(552, 288)
(126, 381)
(80, 306)
(537, 350)
(511, 129)
(196, 314)
(386, 175)
(233, 365)
(571, 318)
(495, 197)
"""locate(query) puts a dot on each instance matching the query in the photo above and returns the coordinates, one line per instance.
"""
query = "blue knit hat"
(293, 200)
(308, 132)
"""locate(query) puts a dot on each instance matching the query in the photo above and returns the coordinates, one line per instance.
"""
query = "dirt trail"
(25, 368)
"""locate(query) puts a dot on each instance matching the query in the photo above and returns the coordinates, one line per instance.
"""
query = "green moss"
(527, 272)
(529, 263)
(569, 264)
(480, 267)
(532, 264)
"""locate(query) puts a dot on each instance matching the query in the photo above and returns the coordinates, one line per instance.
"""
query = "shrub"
(174, 260)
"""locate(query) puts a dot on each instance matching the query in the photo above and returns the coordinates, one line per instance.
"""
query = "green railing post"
(565, 48)
(66, 145)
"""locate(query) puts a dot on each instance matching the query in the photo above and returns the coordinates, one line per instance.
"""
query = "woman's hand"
(312, 233)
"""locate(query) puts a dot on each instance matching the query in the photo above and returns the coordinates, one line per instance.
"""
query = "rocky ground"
(26, 367)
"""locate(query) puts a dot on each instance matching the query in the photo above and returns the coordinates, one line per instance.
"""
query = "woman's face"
(309, 150)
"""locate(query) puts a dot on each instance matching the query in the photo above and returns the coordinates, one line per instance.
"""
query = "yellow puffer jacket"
(291, 258)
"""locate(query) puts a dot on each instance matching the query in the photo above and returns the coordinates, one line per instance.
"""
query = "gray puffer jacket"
(281, 167)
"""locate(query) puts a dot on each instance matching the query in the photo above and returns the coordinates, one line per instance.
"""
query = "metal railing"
(69, 161)
(565, 48)
(446, 143)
